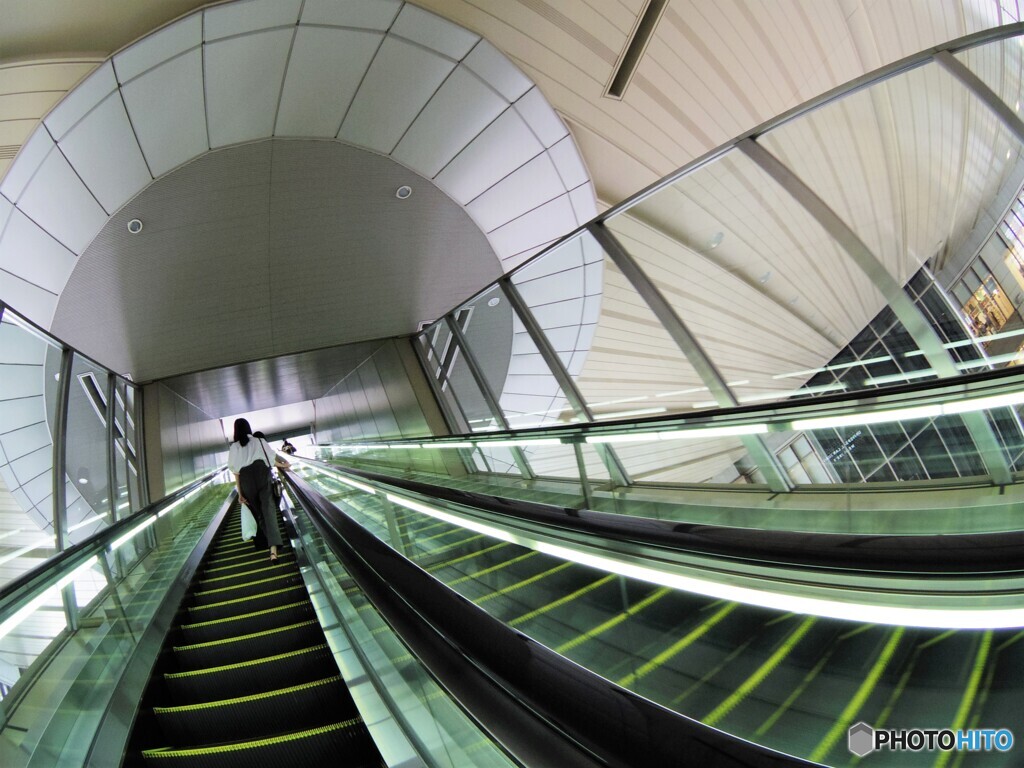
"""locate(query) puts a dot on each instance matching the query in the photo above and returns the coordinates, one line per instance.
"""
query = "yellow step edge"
(243, 664)
(246, 599)
(246, 699)
(256, 744)
(240, 638)
(263, 557)
(288, 575)
(240, 616)
(268, 567)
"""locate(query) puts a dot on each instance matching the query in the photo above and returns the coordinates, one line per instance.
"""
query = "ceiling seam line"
(287, 66)
(508, 106)
(34, 285)
(206, 97)
(369, 65)
(159, 64)
(131, 124)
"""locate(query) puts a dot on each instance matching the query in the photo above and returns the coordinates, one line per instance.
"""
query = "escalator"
(246, 677)
(791, 682)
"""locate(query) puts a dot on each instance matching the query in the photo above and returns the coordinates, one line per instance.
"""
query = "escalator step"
(231, 680)
(345, 743)
(246, 623)
(220, 594)
(303, 706)
(239, 605)
(226, 569)
(255, 571)
(248, 647)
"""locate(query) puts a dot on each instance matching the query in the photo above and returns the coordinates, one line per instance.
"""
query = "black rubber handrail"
(542, 708)
(924, 555)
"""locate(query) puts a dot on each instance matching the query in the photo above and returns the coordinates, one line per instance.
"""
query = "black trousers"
(255, 482)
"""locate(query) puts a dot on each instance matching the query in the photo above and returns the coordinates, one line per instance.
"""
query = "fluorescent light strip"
(624, 414)
(977, 340)
(837, 387)
(15, 532)
(879, 417)
(38, 543)
(880, 380)
(448, 445)
(518, 443)
(993, 618)
(138, 529)
(995, 360)
(472, 525)
(50, 594)
(681, 434)
(355, 484)
(836, 367)
(620, 400)
(682, 392)
(87, 521)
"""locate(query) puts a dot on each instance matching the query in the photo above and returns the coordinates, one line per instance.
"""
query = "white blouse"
(243, 455)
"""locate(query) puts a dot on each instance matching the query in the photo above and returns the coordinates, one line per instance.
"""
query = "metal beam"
(60, 465)
(691, 348)
(485, 390)
(111, 447)
(450, 417)
(977, 86)
(616, 469)
(906, 311)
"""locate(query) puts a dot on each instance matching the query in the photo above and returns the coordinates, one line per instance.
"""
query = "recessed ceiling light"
(494, 302)
(135, 226)
(716, 240)
(404, 192)
(83, 481)
(765, 277)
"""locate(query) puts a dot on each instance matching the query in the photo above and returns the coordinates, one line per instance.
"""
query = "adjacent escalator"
(245, 677)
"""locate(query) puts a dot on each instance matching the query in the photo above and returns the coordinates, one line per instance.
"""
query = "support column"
(616, 470)
(111, 447)
(710, 376)
(977, 86)
(60, 465)
(906, 311)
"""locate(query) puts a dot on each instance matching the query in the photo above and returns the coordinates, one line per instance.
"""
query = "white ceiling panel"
(569, 163)
(103, 150)
(506, 144)
(402, 78)
(167, 110)
(39, 488)
(548, 222)
(58, 201)
(563, 339)
(19, 442)
(33, 464)
(434, 32)
(513, 260)
(562, 314)
(461, 108)
(528, 365)
(94, 89)
(584, 203)
(22, 411)
(324, 71)
(594, 278)
(515, 402)
(243, 82)
(30, 253)
(159, 47)
(249, 16)
(30, 157)
(539, 115)
(532, 385)
(591, 308)
(362, 14)
(30, 300)
(561, 259)
(568, 285)
(523, 190)
(20, 381)
(500, 73)
(6, 206)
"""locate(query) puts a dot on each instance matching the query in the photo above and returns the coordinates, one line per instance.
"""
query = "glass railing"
(70, 628)
(778, 675)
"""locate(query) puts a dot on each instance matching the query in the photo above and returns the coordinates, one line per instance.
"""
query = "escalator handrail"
(923, 555)
(19, 591)
(543, 708)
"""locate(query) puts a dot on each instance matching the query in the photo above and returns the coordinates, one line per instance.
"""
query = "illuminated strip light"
(996, 360)
(15, 532)
(837, 387)
(125, 505)
(682, 392)
(472, 525)
(355, 484)
(880, 380)
(121, 541)
(47, 595)
(37, 544)
(448, 445)
(517, 443)
(879, 417)
(902, 616)
(87, 521)
(836, 367)
(620, 400)
(969, 342)
(624, 414)
(681, 434)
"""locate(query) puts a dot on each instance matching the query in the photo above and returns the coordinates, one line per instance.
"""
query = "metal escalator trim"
(250, 697)
(242, 664)
(241, 616)
(289, 575)
(268, 567)
(241, 638)
(222, 603)
(255, 744)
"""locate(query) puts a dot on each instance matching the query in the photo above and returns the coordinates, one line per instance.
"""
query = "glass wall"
(60, 409)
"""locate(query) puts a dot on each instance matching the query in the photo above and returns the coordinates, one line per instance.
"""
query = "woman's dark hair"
(242, 432)
(260, 435)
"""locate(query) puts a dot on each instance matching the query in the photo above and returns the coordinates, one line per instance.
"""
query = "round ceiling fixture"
(716, 240)
(404, 192)
(135, 226)
(494, 302)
